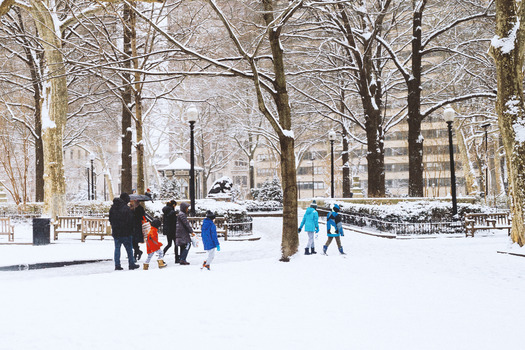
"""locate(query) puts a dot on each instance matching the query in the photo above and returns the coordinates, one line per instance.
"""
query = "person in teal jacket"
(334, 229)
(311, 225)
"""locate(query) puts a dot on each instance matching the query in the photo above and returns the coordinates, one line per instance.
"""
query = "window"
(240, 180)
(241, 163)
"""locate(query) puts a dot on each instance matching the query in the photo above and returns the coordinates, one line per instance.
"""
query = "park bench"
(94, 227)
(486, 221)
(7, 228)
(67, 224)
(221, 223)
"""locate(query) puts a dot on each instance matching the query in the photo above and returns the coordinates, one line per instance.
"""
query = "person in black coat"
(183, 232)
(138, 237)
(121, 220)
(169, 224)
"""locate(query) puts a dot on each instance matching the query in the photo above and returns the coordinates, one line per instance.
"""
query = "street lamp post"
(449, 115)
(191, 116)
(88, 182)
(92, 178)
(313, 180)
(331, 137)
(486, 126)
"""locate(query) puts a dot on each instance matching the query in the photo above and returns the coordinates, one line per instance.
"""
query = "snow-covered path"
(443, 293)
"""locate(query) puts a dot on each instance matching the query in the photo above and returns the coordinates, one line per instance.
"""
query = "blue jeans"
(185, 251)
(128, 243)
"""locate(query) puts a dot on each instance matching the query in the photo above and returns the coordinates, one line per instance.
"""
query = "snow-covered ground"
(442, 293)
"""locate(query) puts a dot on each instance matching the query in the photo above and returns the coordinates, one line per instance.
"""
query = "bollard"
(41, 231)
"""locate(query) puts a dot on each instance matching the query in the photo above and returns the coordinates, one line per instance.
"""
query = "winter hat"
(314, 204)
(210, 214)
(125, 197)
(336, 208)
(155, 223)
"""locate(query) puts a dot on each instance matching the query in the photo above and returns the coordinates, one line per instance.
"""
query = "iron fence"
(237, 229)
(398, 228)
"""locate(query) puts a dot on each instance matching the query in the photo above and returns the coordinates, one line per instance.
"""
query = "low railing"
(398, 228)
(237, 229)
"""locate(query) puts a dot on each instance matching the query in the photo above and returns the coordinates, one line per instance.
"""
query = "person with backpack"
(311, 225)
(334, 229)
(154, 246)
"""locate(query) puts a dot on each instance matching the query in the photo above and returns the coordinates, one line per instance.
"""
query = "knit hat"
(210, 214)
(155, 223)
(125, 197)
(314, 204)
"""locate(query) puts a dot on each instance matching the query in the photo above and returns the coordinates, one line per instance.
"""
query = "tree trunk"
(375, 154)
(290, 239)
(54, 104)
(470, 178)
(31, 56)
(126, 180)
(141, 182)
(510, 108)
(415, 140)
(347, 174)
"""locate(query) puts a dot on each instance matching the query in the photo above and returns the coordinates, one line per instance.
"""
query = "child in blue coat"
(311, 225)
(334, 228)
(209, 238)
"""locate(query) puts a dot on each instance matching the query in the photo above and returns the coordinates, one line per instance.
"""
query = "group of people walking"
(334, 228)
(131, 225)
(128, 221)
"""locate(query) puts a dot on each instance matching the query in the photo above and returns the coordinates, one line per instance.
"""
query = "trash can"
(41, 233)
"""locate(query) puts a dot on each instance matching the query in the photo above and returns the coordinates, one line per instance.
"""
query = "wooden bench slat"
(7, 228)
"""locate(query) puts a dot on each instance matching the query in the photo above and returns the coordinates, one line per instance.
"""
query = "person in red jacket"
(154, 246)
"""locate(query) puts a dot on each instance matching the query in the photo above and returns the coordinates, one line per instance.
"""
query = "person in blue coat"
(209, 238)
(334, 229)
(311, 225)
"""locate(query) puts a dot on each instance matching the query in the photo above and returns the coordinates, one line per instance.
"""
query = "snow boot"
(133, 267)
(146, 266)
(118, 268)
(306, 251)
(341, 251)
(162, 264)
(325, 249)
(313, 251)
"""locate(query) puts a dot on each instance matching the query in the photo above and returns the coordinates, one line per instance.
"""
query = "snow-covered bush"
(269, 191)
(253, 206)
(420, 211)
(170, 188)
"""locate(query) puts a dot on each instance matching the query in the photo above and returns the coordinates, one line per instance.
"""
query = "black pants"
(176, 248)
(136, 248)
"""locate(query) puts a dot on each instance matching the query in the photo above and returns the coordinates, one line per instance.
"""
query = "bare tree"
(507, 49)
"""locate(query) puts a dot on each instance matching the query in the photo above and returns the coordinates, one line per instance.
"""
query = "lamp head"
(449, 114)
(332, 135)
(191, 114)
